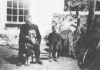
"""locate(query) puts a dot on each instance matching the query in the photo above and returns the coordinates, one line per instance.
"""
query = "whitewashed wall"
(3, 11)
(42, 12)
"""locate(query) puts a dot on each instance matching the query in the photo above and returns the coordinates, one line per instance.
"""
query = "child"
(54, 39)
(29, 46)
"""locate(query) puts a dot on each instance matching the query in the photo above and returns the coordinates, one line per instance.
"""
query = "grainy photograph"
(82, 5)
(49, 35)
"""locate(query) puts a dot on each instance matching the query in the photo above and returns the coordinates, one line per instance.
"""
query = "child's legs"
(55, 50)
(50, 54)
(28, 55)
(50, 51)
(54, 54)
(29, 59)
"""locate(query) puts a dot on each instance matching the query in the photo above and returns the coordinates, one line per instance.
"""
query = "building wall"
(42, 12)
(3, 9)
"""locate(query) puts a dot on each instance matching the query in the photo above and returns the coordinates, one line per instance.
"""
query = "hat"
(27, 16)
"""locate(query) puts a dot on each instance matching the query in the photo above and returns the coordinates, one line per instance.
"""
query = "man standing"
(25, 38)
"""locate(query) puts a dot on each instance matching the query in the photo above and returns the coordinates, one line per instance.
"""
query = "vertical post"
(91, 15)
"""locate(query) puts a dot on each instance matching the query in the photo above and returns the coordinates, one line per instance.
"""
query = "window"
(16, 10)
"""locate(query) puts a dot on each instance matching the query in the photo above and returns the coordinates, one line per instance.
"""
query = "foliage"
(81, 5)
(4, 37)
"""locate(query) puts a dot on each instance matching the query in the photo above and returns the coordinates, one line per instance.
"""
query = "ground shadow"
(60, 53)
(12, 59)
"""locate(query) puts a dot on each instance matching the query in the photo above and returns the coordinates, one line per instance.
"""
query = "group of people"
(29, 43)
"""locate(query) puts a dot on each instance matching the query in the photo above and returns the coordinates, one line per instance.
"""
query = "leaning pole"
(91, 16)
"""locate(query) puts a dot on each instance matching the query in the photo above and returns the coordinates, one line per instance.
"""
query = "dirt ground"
(9, 54)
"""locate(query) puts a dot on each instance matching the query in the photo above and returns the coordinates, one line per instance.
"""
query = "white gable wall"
(3, 11)
(42, 12)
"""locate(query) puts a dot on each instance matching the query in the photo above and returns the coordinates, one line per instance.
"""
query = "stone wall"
(66, 19)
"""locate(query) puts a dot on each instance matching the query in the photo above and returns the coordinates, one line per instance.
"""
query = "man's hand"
(36, 42)
(33, 40)
(60, 45)
(28, 38)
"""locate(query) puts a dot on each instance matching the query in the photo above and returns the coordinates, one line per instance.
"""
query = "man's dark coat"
(22, 39)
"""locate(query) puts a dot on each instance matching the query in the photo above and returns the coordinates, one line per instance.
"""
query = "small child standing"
(54, 39)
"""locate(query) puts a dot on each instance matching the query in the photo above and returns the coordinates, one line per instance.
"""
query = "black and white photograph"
(50, 35)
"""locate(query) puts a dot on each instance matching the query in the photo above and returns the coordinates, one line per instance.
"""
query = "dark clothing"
(23, 41)
(24, 32)
(54, 38)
